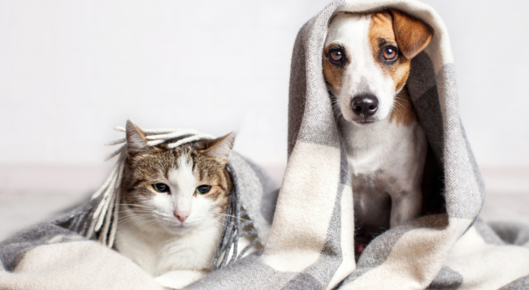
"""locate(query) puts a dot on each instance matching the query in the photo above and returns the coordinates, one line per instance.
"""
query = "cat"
(173, 206)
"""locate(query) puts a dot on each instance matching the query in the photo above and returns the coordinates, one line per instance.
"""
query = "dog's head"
(366, 60)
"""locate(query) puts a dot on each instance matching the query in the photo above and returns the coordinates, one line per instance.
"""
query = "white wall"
(72, 70)
(489, 40)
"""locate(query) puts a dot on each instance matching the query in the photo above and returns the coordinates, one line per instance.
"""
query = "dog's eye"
(160, 187)
(336, 55)
(390, 53)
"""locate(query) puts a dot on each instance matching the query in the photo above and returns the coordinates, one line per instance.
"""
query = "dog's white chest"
(382, 149)
(385, 161)
(367, 161)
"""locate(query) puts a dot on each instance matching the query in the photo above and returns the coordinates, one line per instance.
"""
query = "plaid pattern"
(311, 242)
(64, 254)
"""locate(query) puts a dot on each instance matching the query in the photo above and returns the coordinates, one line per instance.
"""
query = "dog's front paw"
(179, 279)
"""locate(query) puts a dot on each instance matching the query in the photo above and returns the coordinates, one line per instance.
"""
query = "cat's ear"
(220, 147)
(136, 142)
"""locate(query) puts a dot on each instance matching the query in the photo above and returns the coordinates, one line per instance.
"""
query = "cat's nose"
(181, 216)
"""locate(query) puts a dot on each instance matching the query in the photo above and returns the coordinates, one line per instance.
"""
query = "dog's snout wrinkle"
(365, 105)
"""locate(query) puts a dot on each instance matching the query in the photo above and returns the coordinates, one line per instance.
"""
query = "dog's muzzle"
(365, 106)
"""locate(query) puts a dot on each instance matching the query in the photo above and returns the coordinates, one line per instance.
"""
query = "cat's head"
(176, 189)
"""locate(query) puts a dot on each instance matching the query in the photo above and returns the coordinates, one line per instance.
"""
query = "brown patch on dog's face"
(409, 36)
(403, 111)
(381, 38)
(372, 62)
(333, 69)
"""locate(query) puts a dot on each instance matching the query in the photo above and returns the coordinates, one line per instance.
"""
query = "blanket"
(74, 251)
(311, 241)
(312, 237)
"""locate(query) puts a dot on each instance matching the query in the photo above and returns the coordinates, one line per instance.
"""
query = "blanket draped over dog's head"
(311, 242)
(311, 245)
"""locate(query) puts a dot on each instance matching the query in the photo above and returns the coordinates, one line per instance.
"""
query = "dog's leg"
(405, 206)
(406, 194)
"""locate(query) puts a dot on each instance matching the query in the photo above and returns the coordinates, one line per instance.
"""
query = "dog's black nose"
(364, 105)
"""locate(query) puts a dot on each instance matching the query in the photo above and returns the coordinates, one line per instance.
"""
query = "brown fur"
(142, 170)
(381, 34)
(412, 34)
(391, 27)
(333, 73)
(395, 28)
(403, 110)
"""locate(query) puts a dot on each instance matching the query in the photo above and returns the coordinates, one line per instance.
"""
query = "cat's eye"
(161, 187)
(203, 189)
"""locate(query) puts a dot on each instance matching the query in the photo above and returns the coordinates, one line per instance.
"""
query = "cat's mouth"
(178, 227)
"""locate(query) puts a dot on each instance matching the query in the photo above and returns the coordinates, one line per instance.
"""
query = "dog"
(366, 63)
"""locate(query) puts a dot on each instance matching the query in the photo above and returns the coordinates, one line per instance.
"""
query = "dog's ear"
(412, 34)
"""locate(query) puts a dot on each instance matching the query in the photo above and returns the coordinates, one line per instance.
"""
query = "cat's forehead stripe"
(182, 177)
(138, 182)
(161, 166)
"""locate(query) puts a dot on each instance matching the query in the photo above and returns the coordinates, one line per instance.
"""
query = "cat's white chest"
(158, 252)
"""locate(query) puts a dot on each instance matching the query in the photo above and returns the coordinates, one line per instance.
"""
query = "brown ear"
(136, 142)
(412, 34)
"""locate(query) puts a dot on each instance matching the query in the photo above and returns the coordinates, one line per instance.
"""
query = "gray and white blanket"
(312, 237)
(74, 251)
(311, 242)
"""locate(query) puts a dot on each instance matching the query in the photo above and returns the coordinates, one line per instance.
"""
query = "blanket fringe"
(107, 199)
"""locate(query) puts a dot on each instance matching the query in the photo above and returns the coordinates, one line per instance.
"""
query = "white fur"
(394, 157)
(391, 157)
(160, 243)
(362, 75)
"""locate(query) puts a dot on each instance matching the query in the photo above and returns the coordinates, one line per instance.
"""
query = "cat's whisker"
(218, 223)
(152, 218)
(138, 225)
(135, 205)
(228, 215)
